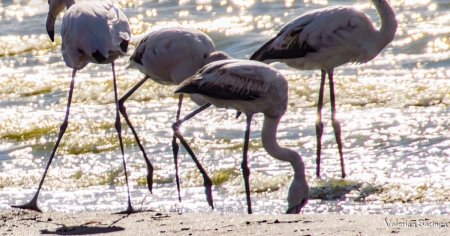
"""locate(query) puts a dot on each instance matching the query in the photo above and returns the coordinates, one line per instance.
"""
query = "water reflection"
(395, 116)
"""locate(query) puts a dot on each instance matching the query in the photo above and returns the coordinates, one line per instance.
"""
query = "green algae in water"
(30, 134)
(332, 188)
(218, 177)
(77, 175)
(367, 190)
(157, 179)
(224, 175)
(111, 177)
(254, 144)
(262, 183)
(27, 181)
(94, 144)
(37, 92)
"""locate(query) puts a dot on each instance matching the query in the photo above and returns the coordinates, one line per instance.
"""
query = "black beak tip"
(51, 34)
(297, 209)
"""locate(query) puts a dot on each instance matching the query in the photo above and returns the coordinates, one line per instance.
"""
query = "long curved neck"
(298, 190)
(388, 21)
(270, 144)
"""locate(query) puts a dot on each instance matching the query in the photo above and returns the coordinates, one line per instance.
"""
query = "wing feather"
(341, 28)
(119, 28)
(286, 45)
(225, 80)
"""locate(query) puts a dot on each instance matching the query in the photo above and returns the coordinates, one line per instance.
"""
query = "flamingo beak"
(50, 25)
(296, 209)
(51, 34)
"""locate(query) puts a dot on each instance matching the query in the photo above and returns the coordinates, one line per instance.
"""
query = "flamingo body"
(248, 87)
(252, 87)
(168, 56)
(94, 32)
(324, 39)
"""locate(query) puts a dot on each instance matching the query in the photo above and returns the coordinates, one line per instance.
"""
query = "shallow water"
(394, 112)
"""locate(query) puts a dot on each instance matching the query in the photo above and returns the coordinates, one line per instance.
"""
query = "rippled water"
(394, 111)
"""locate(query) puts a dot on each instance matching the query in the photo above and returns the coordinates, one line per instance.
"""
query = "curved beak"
(50, 25)
(296, 209)
(51, 34)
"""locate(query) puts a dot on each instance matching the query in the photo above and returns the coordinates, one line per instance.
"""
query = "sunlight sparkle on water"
(416, 2)
(394, 113)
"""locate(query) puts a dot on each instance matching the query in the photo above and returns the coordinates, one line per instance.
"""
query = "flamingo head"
(298, 194)
(54, 8)
(298, 191)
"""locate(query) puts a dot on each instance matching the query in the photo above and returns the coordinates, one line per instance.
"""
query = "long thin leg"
(206, 180)
(32, 205)
(335, 123)
(123, 111)
(319, 123)
(118, 126)
(244, 165)
(175, 147)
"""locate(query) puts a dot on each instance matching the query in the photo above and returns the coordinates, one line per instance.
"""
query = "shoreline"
(20, 222)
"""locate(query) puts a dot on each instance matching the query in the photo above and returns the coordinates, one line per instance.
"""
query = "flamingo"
(250, 87)
(96, 32)
(324, 39)
(168, 56)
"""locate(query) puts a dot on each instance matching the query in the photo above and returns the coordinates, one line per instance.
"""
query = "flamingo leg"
(206, 180)
(118, 127)
(319, 123)
(335, 123)
(244, 165)
(123, 111)
(32, 205)
(176, 147)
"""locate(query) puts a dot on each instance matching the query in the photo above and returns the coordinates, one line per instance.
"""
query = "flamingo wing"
(228, 80)
(332, 29)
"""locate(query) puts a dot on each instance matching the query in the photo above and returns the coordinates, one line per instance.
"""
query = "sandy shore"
(155, 223)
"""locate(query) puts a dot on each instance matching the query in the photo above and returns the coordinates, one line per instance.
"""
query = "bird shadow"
(82, 230)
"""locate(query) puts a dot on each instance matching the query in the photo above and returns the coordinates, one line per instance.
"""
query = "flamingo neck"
(57, 6)
(388, 21)
(270, 144)
(298, 190)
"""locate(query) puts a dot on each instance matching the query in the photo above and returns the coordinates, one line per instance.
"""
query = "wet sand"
(14, 222)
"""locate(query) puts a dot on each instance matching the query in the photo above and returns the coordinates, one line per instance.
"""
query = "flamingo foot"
(32, 206)
(130, 210)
